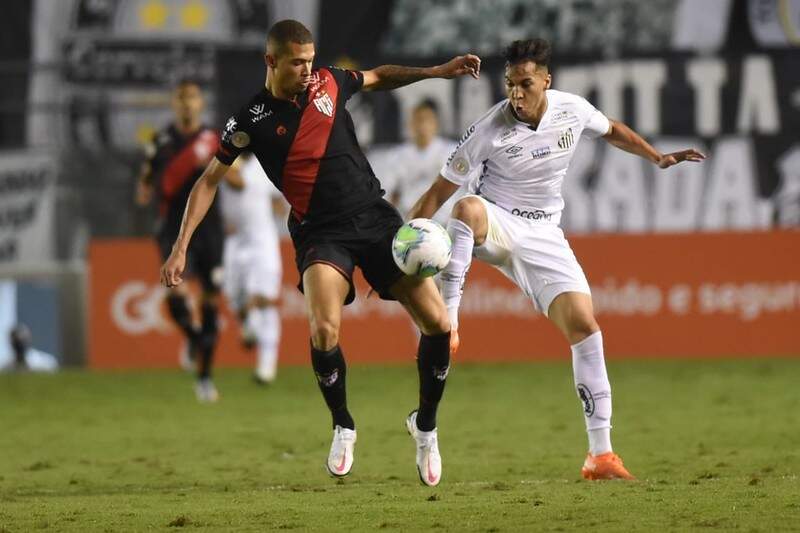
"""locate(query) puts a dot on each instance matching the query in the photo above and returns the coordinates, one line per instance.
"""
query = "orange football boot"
(604, 466)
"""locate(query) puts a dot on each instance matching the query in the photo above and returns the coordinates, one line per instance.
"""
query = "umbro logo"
(324, 104)
(566, 139)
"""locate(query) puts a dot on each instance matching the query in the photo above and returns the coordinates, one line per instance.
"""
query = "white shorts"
(251, 269)
(533, 254)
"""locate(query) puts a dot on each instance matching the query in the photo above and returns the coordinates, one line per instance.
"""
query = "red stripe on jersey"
(197, 153)
(310, 142)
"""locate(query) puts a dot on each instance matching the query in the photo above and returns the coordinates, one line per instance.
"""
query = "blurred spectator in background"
(25, 356)
(252, 259)
(175, 161)
(410, 168)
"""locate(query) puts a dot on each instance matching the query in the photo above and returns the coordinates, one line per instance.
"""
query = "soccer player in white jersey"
(519, 151)
(252, 261)
(411, 164)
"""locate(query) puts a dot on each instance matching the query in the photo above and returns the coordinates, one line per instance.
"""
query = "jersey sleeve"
(349, 81)
(466, 160)
(595, 123)
(236, 138)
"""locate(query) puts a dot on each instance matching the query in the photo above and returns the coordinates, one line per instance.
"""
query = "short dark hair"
(288, 31)
(536, 50)
(427, 103)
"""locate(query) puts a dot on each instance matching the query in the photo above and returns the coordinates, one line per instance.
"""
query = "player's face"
(525, 87)
(187, 102)
(424, 125)
(292, 67)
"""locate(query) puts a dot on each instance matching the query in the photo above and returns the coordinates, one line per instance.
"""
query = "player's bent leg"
(421, 298)
(573, 314)
(263, 320)
(325, 290)
(467, 227)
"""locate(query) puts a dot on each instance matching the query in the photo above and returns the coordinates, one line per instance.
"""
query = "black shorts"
(363, 240)
(203, 258)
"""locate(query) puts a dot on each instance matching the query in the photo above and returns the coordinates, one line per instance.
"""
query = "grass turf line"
(714, 444)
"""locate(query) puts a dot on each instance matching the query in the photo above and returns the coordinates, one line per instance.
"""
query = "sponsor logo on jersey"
(540, 152)
(324, 104)
(561, 116)
(536, 214)
(258, 112)
(508, 134)
(565, 140)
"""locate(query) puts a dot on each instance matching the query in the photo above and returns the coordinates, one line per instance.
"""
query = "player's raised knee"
(469, 210)
(581, 325)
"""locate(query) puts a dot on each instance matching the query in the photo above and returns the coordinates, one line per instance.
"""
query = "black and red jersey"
(176, 162)
(308, 147)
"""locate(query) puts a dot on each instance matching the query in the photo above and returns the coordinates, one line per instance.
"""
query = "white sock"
(455, 273)
(266, 324)
(594, 391)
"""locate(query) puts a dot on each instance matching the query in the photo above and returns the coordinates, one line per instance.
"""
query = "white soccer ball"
(421, 247)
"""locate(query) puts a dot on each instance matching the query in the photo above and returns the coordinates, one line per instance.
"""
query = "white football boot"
(340, 459)
(205, 391)
(429, 462)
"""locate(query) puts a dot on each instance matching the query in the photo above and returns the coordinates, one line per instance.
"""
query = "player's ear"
(548, 80)
(270, 60)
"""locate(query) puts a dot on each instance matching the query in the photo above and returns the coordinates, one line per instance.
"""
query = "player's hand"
(455, 342)
(172, 269)
(667, 160)
(460, 66)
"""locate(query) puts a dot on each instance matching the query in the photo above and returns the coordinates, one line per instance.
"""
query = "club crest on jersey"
(324, 104)
(566, 139)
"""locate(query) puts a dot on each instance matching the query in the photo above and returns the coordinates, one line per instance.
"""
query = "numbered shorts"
(532, 254)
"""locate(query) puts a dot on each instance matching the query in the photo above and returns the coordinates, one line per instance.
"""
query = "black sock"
(179, 310)
(331, 371)
(208, 339)
(433, 364)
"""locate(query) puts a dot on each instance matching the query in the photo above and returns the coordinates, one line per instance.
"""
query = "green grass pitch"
(716, 445)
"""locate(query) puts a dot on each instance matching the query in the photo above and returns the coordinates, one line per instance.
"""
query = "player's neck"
(423, 142)
(275, 90)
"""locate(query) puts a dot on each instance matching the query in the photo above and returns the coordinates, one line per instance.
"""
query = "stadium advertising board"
(27, 198)
(693, 295)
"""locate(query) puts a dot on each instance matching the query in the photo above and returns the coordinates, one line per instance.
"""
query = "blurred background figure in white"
(252, 260)
(412, 166)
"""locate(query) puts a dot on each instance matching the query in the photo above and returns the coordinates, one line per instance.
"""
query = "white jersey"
(248, 213)
(414, 169)
(520, 168)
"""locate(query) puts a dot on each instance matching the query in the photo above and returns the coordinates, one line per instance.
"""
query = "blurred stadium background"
(697, 262)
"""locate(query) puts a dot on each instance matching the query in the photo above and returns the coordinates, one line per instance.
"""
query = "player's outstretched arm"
(436, 195)
(623, 137)
(388, 77)
(197, 206)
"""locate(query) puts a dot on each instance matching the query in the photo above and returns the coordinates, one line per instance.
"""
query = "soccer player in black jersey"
(300, 131)
(176, 160)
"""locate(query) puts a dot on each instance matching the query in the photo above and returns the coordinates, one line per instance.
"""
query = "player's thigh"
(422, 300)
(501, 229)
(325, 291)
(546, 267)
